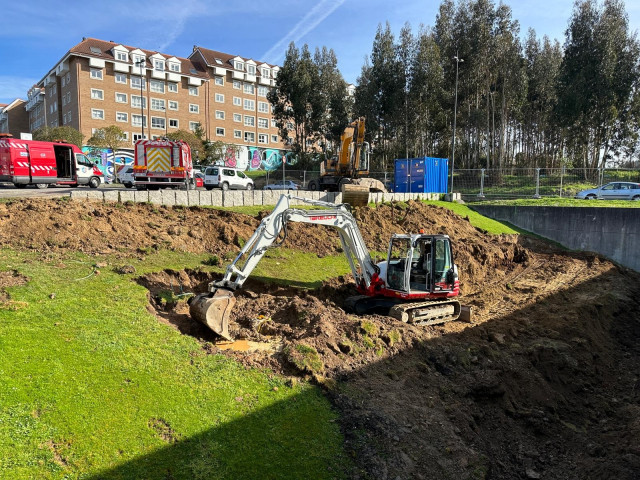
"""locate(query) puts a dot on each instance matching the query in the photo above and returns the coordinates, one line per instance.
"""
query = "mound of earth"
(542, 384)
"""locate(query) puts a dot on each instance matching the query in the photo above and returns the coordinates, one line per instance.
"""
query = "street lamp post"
(455, 117)
(141, 63)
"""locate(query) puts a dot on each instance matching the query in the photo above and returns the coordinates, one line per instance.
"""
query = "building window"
(219, 98)
(219, 115)
(266, 73)
(137, 136)
(237, 117)
(237, 134)
(237, 84)
(251, 69)
(97, 94)
(249, 104)
(156, 86)
(173, 105)
(68, 78)
(69, 117)
(125, 136)
(263, 123)
(97, 114)
(172, 87)
(122, 56)
(157, 122)
(64, 82)
(237, 101)
(96, 74)
(273, 123)
(249, 89)
(193, 126)
(219, 81)
(68, 98)
(121, 78)
(262, 91)
(157, 104)
(263, 138)
(138, 120)
(138, 102)
(263, 107)
(193, 91)
(174, 67)
(249, 137)
(238, 65)
(173, 123)
(158, 65)
(289, 126)
(64, 100)
(64, 119)
(121, 97)
(274, 138)
(249, 121)
(136, 82)
(193, 108)
(220, 131)
(122, 117)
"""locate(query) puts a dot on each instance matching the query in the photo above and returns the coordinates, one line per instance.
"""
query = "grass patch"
(565, 202)
(305, 358)
(479, 221)
(93, 386)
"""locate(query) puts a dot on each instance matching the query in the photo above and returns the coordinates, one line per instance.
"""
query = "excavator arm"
(213, 308)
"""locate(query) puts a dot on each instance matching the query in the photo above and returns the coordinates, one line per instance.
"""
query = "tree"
(112, 137)
(598, 81)
(297, 100)
(66, 134)
(195, 144)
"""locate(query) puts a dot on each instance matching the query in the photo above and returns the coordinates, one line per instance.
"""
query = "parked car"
(198, 178)
(612, 191)
(226, 178)
(125, 176)
(287, 185)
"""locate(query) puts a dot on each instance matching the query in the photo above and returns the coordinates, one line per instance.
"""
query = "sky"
(35, 35)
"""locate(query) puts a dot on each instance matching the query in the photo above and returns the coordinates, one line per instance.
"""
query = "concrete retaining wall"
(230, 198)
(612, 232)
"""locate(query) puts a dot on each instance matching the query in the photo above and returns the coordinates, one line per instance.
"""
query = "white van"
(226, 178)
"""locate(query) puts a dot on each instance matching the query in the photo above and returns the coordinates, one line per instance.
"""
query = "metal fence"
(479, 184)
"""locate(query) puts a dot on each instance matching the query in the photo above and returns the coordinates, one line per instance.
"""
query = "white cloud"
(310, 21)
(12, 87)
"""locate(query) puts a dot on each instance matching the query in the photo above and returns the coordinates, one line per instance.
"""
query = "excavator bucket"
(213, 309)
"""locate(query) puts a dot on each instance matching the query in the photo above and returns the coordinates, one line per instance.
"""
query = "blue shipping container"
(421, 175)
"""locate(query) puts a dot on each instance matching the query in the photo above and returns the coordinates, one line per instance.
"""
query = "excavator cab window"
(399, 258)
(442, 264)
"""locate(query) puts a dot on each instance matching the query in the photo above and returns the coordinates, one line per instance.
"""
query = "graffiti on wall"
(107, 162)
(253, 158)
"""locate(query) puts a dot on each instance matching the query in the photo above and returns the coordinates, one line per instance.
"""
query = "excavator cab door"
(399, 263)
(444, 273)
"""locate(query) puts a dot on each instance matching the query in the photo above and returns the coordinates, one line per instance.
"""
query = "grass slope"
(92, 386)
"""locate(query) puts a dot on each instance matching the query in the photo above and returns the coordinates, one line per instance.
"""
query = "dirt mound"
(543, 385)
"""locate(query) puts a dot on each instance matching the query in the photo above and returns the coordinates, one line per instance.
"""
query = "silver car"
(612, 191)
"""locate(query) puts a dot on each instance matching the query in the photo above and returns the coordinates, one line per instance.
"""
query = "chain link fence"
(479, 184)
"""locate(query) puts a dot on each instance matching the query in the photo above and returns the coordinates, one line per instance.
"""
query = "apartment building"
(13, 118)
(148, 94)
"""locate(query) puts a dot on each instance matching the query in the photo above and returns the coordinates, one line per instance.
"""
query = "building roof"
(93, 47)
(211, 57)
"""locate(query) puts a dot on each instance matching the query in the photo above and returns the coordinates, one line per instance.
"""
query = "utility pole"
(455, 117)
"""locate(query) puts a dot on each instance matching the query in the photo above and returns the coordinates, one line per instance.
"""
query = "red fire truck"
(162, 163)
(31, 162)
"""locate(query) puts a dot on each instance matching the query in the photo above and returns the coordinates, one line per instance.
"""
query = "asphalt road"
(7, 190)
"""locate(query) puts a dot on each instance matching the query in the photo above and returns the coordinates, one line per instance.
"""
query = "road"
(7, 190)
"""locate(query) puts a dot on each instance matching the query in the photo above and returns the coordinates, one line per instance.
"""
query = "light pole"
(140, 63)
(455, 117)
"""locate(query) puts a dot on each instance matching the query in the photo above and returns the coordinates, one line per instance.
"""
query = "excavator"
(417, 283)
(348, 170)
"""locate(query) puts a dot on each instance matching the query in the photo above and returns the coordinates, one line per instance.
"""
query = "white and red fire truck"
(162, 163)
(31, 162)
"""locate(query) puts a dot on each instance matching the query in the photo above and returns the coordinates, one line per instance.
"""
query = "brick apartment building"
(99, 83)
(13, 118)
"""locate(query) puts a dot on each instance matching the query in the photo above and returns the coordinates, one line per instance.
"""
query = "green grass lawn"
(93, 386)
(564, 202)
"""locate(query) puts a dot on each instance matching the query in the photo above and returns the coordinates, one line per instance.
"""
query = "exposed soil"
(542, 384)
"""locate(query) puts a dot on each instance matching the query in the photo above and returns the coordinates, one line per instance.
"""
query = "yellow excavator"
(348, 170)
